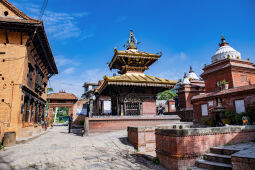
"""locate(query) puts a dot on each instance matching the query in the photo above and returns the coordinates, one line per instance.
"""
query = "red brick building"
(189, 87)
(229, 84)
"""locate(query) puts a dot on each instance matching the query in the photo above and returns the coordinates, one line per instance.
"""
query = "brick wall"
(212, 78)
(149, 107)
(178, 149)
(227, 101)
(105, 124)
(143, 137)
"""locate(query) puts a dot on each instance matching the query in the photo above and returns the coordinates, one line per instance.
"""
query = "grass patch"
(1, 146)
(156, 161)
(244, 142)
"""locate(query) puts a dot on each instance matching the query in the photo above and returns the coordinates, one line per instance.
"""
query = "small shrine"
(132, 92)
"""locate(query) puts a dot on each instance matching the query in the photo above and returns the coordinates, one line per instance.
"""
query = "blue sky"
(83, 34)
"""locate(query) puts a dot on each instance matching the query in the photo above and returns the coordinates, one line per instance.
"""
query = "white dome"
(186, 81)
(193, 76)
(225, 51)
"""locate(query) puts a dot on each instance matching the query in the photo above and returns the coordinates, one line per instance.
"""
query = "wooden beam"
(21, 38)
(6, 36)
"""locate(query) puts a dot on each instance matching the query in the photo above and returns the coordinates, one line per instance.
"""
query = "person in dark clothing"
(161, 110)
(70, 121)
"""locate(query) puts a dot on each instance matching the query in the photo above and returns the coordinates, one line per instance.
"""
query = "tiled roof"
(62, 96)
(136, 52)
(135, 79)
(224, 92)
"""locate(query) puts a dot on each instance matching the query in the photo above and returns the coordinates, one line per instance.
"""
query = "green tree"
(166, 95)
(49, 90)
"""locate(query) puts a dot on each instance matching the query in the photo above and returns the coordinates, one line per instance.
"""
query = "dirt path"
(59, 150)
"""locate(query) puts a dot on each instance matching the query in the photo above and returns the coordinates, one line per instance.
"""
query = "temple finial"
(185, 75)
(132, 42)
(190, 69)
(223, 41)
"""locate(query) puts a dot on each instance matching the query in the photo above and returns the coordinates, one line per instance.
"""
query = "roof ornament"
(132, 42)
(185, 79)
(191, 70)
(223, 41)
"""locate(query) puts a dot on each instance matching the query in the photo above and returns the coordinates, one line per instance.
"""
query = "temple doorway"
(132, 104)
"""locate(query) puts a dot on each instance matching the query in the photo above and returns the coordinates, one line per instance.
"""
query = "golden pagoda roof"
(135, 79)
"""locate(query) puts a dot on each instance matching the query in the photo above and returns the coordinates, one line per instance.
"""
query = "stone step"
(223, 151)
(217, 158)
(212, 165)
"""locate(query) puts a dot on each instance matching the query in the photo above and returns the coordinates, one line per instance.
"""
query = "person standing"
(70, 123)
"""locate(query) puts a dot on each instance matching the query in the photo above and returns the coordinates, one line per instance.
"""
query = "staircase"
(219, 158)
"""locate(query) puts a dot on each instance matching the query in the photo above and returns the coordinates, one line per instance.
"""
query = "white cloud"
(63, 61)
(58, 25)
(69, 70)
(94, 75)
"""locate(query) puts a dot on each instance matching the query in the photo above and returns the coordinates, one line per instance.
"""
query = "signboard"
(107, 107)
(81, 111)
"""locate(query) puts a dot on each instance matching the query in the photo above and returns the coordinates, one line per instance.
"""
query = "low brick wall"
(143, 137)
(244, 159)
(179, 148)
(112, 123)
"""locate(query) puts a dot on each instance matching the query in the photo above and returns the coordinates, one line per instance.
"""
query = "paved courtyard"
(59, 150)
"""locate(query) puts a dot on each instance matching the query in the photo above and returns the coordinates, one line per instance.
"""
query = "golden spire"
(132, 42)
(223, 41)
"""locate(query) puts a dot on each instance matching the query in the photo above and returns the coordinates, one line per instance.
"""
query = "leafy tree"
(166, 95)
(49, 90)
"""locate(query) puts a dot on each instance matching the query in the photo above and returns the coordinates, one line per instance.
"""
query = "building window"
(244, 78)
(173, 107)
(240, 107)
(204, 110)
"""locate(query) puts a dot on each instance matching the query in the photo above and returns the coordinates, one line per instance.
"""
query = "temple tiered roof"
(136, 79)
(132, 63)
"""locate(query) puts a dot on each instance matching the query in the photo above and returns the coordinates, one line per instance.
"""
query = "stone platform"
(143, 137)
(179, 148)
(99, 124)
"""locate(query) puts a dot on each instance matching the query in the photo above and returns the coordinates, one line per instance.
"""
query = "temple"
(132, 92)
(229, 84)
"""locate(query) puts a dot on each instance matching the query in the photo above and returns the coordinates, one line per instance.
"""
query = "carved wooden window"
(132, 104)
(30, 71)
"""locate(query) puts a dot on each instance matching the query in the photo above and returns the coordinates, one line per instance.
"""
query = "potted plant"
(224, 84)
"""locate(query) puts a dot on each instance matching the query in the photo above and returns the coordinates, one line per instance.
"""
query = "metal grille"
(132, 108)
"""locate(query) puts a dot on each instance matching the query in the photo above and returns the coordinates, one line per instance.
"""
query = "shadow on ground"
(124, 140)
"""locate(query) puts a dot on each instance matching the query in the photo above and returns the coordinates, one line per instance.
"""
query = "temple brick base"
(179, 148)
(143, 137)
(113, 123)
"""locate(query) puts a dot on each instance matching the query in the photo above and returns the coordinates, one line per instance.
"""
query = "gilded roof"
(135, 79)
(136, 53)
(62, 96)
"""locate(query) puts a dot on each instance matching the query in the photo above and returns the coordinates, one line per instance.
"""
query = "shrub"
(155, 160)
(1, 146)
(81, 122)
(208, 121)
(230, 114)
